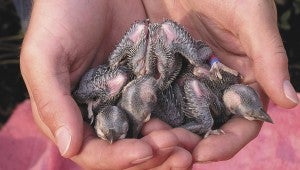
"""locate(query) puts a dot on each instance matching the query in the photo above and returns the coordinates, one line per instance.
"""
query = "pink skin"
(196, 89)
(139, 30)
(169, 32)
(115, 84)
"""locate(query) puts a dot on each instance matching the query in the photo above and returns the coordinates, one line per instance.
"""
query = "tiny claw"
(147, 20)
(214, 132)
(91, 120)
(219, 75)
(214, 61)
(216, 70)
(90, 113)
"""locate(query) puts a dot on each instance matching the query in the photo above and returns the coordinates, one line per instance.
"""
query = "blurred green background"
(12, 88)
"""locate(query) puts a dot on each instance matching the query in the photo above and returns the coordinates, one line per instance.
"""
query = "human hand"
(63, 40)
(244, 35)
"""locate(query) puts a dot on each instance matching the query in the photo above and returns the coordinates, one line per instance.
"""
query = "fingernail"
(141, 160)
(63, 139)
(180, 168)
(290, 92)
(166, 150)
(202, 158)
(204, 162)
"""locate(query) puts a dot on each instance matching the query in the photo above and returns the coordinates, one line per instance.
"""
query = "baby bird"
(139, 98)
(239, 99)
(216, 97)
(198, 99)
(101, 86)
(242, 100)
(111, 123)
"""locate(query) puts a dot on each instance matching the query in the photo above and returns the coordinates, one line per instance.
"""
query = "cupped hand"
(64, 39)
(244, 35)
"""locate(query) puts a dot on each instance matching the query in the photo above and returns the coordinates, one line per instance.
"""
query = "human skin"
(66, 38)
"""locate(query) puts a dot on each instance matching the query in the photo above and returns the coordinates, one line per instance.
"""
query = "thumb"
(263, 45)
(61, 124)
(55, 111)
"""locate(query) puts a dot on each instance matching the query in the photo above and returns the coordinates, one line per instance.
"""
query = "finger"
(154, 124)
(262, 42)
(66, 133)
(60, 119)
(48, 82)
(238, 132)
(179, 159)
(163, 143)
(99, 154)
(187, 139)
(261, 94)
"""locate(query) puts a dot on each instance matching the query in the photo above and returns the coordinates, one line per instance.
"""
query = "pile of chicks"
(159, 70)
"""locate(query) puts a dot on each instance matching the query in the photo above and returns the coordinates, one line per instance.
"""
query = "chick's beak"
(111, 137)
(263, 116)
